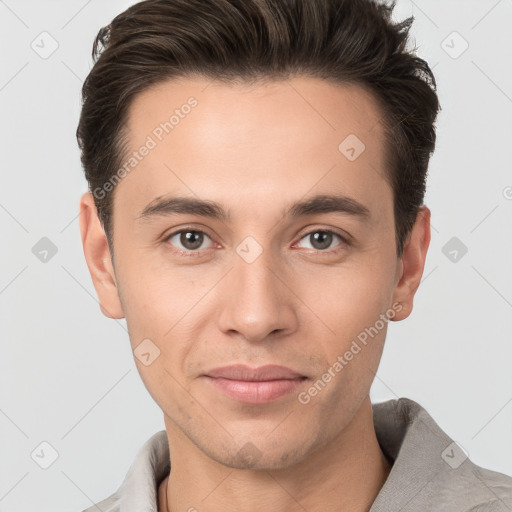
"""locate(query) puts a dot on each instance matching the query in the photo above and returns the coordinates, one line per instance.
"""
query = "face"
(266, 276)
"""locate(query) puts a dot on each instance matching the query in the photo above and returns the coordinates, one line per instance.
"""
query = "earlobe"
(97, 256)
(411, 265)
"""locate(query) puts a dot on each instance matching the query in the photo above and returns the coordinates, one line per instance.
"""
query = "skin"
(255, 150)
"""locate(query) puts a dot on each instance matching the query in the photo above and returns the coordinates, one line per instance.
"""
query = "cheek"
(348, 299)
(154, 316)
(149, 294)
(158, 306)
(349, 307)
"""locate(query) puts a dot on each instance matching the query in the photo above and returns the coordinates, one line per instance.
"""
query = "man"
(257, 173)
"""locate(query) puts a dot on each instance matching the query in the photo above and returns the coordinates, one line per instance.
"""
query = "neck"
(345, 474)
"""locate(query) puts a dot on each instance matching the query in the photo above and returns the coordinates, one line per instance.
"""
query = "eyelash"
(198, 252)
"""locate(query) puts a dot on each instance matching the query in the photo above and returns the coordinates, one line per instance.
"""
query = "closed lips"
(262, 373)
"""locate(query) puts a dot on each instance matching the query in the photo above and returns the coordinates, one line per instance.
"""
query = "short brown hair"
(344, 41)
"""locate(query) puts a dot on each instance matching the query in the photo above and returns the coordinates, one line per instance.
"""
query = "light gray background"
(67, 373)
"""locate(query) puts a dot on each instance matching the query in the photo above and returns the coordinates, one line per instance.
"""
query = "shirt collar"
(139, 490)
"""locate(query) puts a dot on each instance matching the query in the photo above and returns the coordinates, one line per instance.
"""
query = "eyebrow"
(319, 204)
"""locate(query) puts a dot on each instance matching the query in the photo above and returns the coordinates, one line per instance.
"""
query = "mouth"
(255, 392)
(246, 373)
(255, 385)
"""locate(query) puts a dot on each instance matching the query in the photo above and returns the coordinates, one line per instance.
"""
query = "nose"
(257, 301)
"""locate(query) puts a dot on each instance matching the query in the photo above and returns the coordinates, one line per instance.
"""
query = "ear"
(411, 264)
(98, 258)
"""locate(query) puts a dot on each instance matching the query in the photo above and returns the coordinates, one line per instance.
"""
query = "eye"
(321, 239)
(191, 240)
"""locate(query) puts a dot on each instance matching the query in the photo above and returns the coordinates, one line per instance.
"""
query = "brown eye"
(190, 239)
(321, 239)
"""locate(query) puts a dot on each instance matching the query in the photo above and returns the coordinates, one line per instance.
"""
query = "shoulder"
(484, 490)
(139, 487)
(430, 471)
(110, 504)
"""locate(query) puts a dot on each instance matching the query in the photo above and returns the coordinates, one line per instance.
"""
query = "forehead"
(300, 105)
(255, 141)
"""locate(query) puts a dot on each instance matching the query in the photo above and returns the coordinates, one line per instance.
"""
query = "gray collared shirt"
(430, 471)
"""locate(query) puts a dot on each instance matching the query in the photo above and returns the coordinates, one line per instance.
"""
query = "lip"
(255, 385)
(243, 372)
